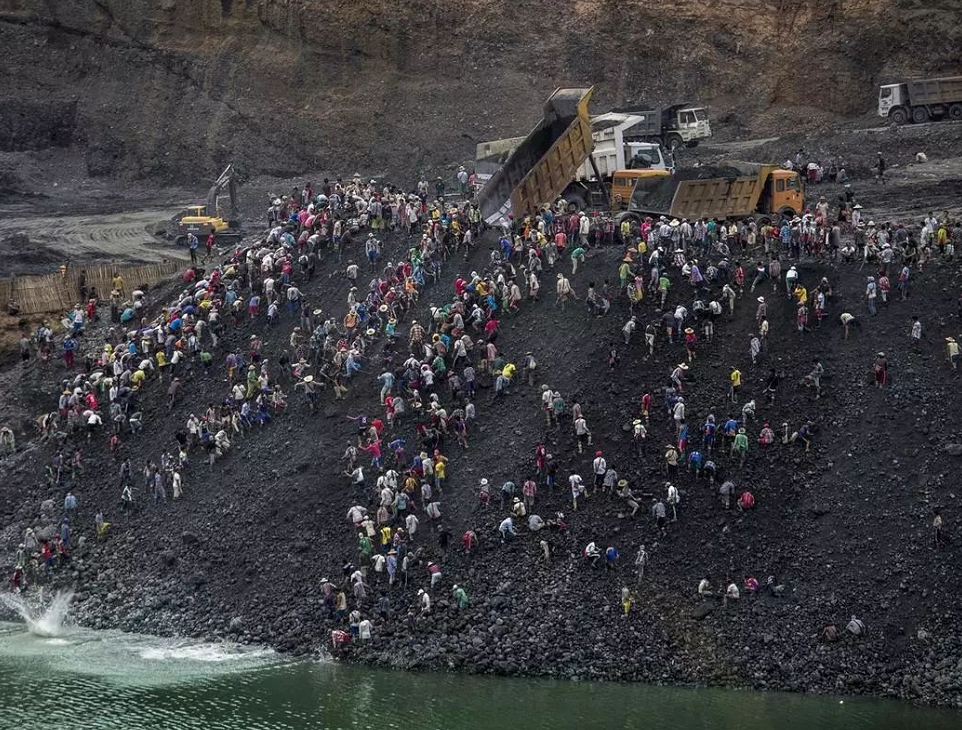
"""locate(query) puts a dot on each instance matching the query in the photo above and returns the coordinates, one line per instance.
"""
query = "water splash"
(47, 621)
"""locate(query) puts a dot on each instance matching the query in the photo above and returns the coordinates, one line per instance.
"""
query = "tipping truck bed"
(720, 197)
(541, 167)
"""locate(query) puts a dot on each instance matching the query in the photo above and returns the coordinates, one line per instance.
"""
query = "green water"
(98, 680)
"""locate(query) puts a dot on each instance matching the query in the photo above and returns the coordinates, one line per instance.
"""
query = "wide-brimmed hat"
(308, 378)
(761, 299)
(689, 331)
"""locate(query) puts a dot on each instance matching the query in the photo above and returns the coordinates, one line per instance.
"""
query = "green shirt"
(664, 284)
(578, 253)
(741, 442)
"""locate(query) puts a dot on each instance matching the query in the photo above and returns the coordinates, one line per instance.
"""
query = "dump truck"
(201, 220)
(671, 126)
(539, 169)
(921, 100)
(615, 162)
(767, 192)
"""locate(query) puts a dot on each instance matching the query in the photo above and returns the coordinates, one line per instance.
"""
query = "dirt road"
(32, 244)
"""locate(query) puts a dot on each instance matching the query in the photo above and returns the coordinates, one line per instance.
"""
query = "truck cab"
(782, 194)
(688, 123)
(626, 183)
(646, 166)
(892, 96)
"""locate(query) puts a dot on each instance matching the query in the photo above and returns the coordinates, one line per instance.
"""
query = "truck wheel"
(628, 215)
(787, 213)
(674, 142)
(920, 114)
(955, 111)
(575, 203)
(899, 116)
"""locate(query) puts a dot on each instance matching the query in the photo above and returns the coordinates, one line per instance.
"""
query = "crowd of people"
(682, 277)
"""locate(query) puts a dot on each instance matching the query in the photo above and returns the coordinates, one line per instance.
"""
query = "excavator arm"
(225, 181)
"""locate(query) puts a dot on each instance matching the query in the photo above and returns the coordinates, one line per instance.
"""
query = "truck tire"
(899, 115)
(920, 114)
(627, 215)
(673, 142)
(575, 203)
(955, 112)
(787, 213)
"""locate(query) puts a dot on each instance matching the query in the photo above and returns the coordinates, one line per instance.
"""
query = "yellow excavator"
(202, 219)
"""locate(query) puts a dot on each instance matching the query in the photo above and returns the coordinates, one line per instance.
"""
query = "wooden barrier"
(57, 293)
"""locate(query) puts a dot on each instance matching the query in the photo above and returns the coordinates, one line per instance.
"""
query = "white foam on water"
(203, 653)
(118, 657)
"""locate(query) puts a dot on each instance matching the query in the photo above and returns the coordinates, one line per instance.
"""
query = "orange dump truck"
(762, 191)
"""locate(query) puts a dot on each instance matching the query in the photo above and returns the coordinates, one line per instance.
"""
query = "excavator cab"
(202, 220)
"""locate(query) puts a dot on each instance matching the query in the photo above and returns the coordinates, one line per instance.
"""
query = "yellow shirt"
(802, 294)
(508, 370)
(736, 378)
(161, 358)
(137, 378)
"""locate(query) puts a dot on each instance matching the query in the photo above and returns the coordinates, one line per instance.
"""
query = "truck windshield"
(885, 92)
(701, 115)
(791, 183)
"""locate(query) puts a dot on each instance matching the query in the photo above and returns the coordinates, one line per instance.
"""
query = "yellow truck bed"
(541, 167)
(720, 197)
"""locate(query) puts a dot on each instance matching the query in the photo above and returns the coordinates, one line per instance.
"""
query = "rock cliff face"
(174, 89)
